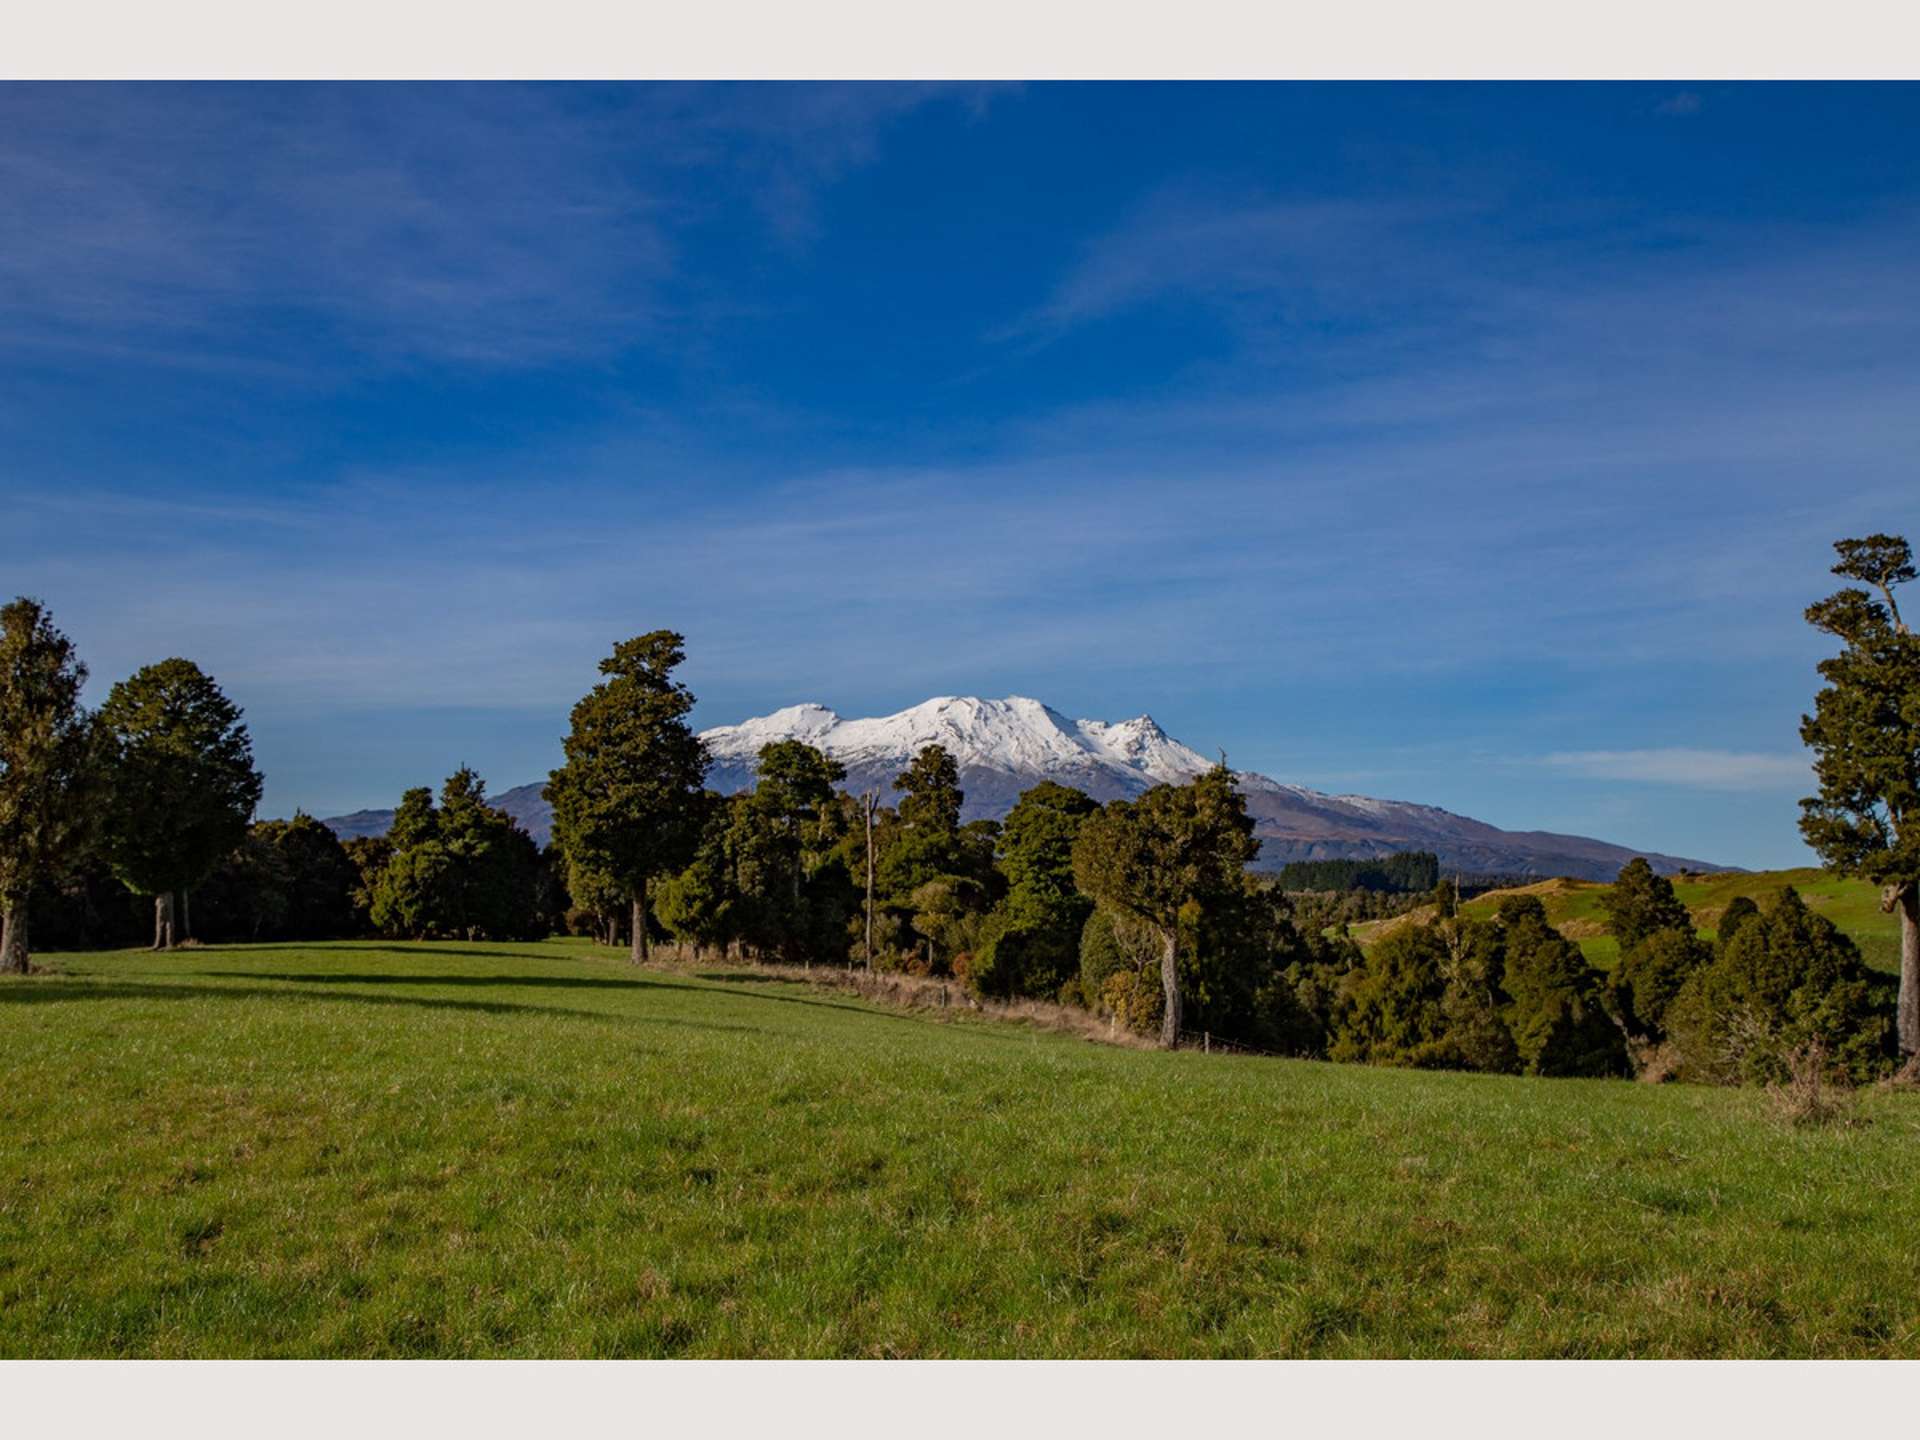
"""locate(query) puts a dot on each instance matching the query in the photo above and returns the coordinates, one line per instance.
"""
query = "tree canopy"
(183, 785)
(1865, 735)
(47, 766)
(1152, 858)
(629, 801)
(1641, 902)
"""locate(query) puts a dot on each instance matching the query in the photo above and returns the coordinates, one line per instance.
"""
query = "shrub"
(1739, 910)
(1786, 980)
(1553, 1013)
(1393, 1013)
(1650, 976)
(1640, 902)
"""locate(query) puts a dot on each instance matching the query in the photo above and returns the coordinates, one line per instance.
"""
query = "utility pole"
(872, 799)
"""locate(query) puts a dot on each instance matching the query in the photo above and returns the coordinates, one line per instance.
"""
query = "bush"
(1739, 911)
(1650, 976)
(1553, 1012)
(1786, 980)
(1393, 1012)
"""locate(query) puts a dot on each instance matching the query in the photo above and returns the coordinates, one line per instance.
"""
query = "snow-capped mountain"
(1000, 746)
(1003, 747)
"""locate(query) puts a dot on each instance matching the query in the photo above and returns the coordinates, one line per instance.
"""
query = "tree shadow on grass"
(354, 977)
(58, 992)
(718, 982)
(396, 949)
(638, 981)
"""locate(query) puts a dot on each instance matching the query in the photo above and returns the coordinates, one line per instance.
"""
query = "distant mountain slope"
(1003, 747)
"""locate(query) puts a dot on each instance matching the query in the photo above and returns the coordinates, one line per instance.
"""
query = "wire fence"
(1212, 1044)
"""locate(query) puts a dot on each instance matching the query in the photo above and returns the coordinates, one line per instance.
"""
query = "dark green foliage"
(1033, 940)
(321, 876)
(629, 803)
(49, 771)
(288, 880)
(933, 797)
(248, 896)
(1786, 980)
(89, 909)
(935, 879)
(699, 905)
(1649, 977)
(182, 782)
(1508, 995)
(927, 842)
(1111, 942)
(1156, 858)
(1394, 1012)
(1641, 902)
(1739, 911)
(463, 870)
(1407, 872)
(788, 897)
(1553, 1011)
(1865, 735)
(771, 871)
(369, 855)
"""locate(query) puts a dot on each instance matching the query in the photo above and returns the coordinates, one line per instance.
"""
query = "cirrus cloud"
(1681, 765)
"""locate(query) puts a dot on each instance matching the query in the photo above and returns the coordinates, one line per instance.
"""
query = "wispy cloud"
(1257, 259)
(490, 225)
(1695, 769)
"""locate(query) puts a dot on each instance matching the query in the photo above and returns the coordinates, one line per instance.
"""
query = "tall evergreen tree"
(461, 870)
(47, 767)
(933, 797)
(1739, 911)
(629, 801)
(1865, 735)
(183, 784)
(1641, 902)
(1153, 858)
(777, 841)
(1034, 936)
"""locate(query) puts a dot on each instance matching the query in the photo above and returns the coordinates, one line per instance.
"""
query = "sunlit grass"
(384, 1149)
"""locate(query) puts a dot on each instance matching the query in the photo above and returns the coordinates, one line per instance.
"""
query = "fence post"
(1206, 1042)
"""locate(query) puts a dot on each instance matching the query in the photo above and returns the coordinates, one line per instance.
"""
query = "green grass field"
(1574, 906)
(385, 1149)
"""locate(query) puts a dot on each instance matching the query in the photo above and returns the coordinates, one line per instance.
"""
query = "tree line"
(157, 786)
(1142, 910)
(1405, 872)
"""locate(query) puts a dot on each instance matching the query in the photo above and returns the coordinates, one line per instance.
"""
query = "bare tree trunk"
(1907, 900)
(185, 929)
(15, 951)
(640, 952)
(1170, 988)
(163, 921)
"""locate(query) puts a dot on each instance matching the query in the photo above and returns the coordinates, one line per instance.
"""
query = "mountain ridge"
(1003, 747)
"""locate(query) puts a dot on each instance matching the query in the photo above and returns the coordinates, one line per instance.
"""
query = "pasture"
(384, 1149)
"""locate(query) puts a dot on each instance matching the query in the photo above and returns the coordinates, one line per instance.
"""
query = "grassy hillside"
(1574, 906)
(375, 1149)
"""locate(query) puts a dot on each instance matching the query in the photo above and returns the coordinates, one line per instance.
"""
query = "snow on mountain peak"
(1017, 734)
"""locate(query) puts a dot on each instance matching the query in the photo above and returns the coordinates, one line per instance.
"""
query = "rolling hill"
(1574, 907)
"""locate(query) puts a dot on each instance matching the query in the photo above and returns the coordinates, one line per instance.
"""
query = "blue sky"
(1476, 445)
